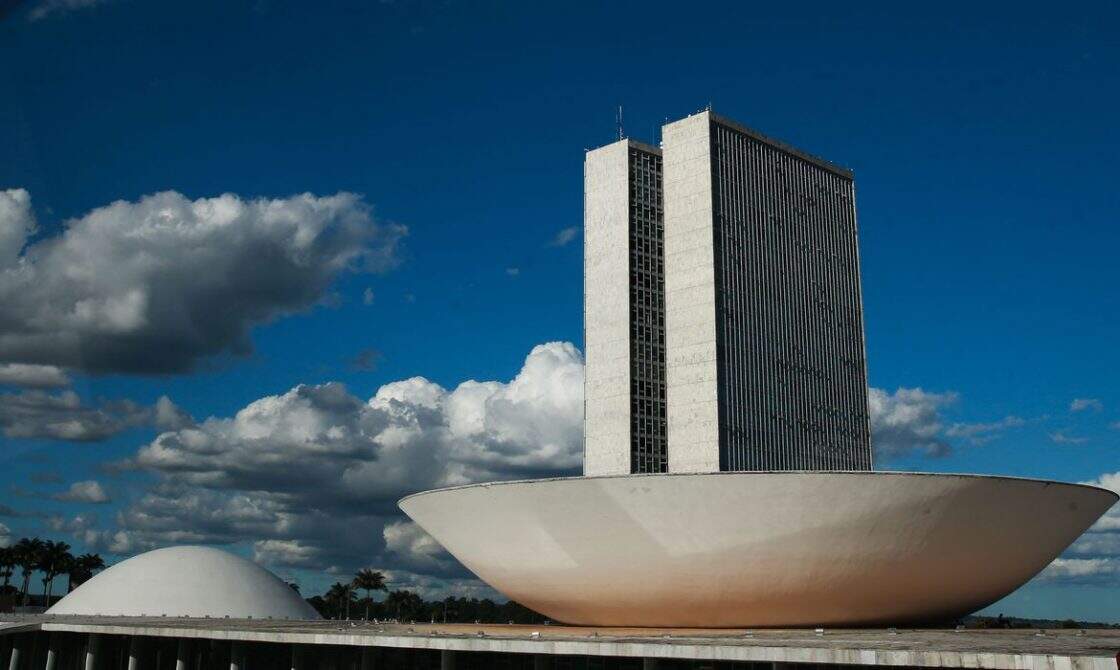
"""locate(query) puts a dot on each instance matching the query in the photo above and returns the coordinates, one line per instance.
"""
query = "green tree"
(369, 580)
(407, 605)
(27, 558)
(8, 562)
(339, 598)
(54, 559)
(82, 569)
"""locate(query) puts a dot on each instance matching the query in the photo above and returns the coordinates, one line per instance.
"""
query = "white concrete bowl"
(758, 549)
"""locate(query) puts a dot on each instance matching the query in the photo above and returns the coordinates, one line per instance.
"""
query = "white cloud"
(513, 272)
(982, 433)
(908, 420)
(89, 491)
(119, 290)
(35, 414)
(1084, 404)
(296, 473)
(33, 376)
(5, 536)
(17, 223)
(1061, 437)
(1097, 571)
(367, 297)
(565, 236)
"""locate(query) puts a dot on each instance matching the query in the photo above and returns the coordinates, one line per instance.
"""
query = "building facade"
(765, 364)
(624, 311)
(723, 318)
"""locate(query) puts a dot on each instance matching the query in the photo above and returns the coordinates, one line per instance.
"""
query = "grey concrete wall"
(606, 310)
(690, 292)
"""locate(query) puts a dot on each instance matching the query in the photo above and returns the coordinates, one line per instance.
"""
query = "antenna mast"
(618, 120)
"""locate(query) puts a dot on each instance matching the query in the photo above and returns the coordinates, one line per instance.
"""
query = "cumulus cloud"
(565, 236)
(1083, 404)
(297, 473)
(120, 288)
(89, 491)
(908, 421)
(37, 414)
(33, 376)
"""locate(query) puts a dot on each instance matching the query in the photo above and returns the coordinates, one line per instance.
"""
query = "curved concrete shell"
(758, 549)
(186, 581)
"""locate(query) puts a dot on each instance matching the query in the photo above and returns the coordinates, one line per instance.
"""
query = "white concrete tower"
(624, 391)
(765, 361)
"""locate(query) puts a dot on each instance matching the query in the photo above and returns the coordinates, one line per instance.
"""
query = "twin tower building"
(722, 306)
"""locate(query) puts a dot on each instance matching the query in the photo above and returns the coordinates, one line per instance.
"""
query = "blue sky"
(983, 142)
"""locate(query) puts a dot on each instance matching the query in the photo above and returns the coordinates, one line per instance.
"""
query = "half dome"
(186, 581)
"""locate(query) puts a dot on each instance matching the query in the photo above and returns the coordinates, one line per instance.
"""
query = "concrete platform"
(1091, 649)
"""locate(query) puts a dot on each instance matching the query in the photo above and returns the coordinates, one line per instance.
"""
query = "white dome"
(186, 581)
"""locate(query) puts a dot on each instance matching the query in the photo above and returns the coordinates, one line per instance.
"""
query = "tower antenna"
(618, 120)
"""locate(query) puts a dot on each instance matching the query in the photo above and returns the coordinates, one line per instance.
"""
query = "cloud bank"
(312, 475)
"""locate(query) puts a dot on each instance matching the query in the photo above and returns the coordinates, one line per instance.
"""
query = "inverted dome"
(186, 581)
(750, 549)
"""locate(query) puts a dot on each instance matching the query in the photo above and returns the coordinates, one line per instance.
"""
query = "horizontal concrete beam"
(990, 650)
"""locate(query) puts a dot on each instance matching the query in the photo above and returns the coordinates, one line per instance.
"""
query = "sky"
(266, 267)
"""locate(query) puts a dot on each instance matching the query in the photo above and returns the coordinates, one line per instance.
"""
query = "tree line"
(341, 602)
(52, 559)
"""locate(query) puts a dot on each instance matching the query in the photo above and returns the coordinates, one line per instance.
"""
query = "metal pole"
(134, 653)
(446, 659)
(181, 656)
(93, 642)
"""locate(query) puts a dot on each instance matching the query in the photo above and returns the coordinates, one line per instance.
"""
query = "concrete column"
(541, 662)
(297, 661)
(13, 660)
(52, 653)
(181, 655)
(92, 644)
(134, 653)
(367, 662)
(236, 656)
(446, 659)
(650, 663)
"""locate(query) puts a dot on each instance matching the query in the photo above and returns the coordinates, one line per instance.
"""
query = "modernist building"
(624, 311)
(723, 318)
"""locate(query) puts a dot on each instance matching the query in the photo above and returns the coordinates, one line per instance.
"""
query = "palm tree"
(82, 568)
(8, 563)
(54, 560)
(339, 596)
(27, 553)
(369, 580)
